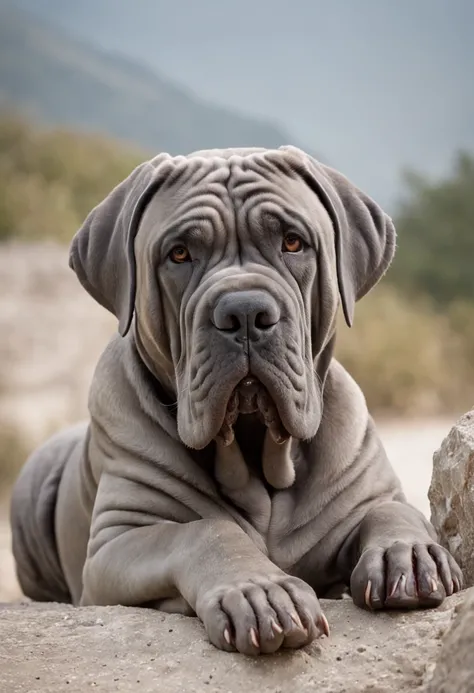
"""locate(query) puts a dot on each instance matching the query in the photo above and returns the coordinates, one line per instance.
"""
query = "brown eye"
(292, 243)
(180, 254)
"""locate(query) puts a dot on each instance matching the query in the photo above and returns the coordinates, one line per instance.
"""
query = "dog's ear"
(102, 251)
(364, 235)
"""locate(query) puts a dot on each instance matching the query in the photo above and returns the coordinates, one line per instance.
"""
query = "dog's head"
(231, 264)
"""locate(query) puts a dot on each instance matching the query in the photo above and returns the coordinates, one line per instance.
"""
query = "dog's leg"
(397, 561)
(244, 600)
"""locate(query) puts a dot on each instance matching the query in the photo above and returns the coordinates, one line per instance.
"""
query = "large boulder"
(451, 494)
(453, 671)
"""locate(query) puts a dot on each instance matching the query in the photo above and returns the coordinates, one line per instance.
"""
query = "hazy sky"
(373, 84)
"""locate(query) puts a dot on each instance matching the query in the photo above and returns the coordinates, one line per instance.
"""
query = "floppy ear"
(102, 251)
(364, 235)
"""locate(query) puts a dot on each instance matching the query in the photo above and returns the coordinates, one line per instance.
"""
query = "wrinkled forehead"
(232, 190)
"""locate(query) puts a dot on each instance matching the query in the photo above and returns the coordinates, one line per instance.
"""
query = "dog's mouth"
(251, 397)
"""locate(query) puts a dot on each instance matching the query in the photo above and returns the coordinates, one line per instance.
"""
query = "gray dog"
(230, 468)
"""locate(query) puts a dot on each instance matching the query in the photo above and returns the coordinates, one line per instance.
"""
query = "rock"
(53, 647)
(454, 669)
(451, 494)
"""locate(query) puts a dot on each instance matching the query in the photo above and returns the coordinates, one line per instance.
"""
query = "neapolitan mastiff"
(230, 468)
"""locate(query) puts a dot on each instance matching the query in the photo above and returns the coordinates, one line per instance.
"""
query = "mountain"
(61, 80)
(374, 85)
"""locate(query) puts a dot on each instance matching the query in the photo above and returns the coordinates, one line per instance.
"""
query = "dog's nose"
(246, 313)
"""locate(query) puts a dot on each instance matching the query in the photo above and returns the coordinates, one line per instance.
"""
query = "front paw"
(405, 576)
(261, 614)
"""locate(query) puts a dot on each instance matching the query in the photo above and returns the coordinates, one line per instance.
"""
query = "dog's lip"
(249, 397)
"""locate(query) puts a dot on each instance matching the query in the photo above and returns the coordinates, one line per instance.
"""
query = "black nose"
(246, 313)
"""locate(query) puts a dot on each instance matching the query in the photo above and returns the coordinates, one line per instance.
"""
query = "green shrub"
(435, 223)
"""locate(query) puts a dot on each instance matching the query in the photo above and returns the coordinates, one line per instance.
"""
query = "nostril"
(263, 321)
(232, 324)
(226, 321)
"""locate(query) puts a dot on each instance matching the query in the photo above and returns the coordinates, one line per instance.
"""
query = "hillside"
(375, 86)
(63, 81)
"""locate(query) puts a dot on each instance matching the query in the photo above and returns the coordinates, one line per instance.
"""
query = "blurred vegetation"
(13, 455)
(410, 358)
(435, 225)
(412, 346)
(50, 180)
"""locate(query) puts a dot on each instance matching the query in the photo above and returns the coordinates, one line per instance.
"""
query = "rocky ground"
(49, 648)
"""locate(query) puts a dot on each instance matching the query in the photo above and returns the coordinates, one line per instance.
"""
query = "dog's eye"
(180, 254)
(292, 243)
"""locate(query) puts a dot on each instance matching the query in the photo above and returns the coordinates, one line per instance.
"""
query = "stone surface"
(454, 669)
(451, 494)
(51, 647)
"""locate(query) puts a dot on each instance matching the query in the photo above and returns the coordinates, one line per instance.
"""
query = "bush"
(435, 225)
(407, 357)
(50, 180)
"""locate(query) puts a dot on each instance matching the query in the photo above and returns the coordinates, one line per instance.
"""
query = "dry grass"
(408, 358)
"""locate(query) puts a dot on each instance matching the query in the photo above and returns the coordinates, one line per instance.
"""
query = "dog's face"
(233, 262)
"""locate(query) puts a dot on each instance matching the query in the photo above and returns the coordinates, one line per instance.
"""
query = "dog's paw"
(261, 614)
(405, 576)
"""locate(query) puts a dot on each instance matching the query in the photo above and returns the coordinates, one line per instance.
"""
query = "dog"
(230, 468)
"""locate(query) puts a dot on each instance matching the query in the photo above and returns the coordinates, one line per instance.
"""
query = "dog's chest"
(259, 508)
(288, 525)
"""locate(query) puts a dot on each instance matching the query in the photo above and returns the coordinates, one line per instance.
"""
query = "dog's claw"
(254, 638)
(434, 585)
(368, 590)
(394, 588)
(296, 620)
(277, 628)
(323, 625)
(227, 637)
